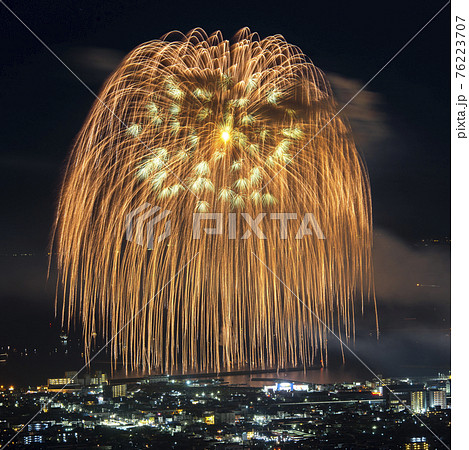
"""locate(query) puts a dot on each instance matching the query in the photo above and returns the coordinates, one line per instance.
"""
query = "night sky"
(401, 125)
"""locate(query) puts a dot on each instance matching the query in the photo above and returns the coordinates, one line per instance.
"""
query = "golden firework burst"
(195, 125)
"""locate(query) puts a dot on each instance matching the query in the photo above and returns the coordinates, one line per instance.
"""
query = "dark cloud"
(408, 183)
(93, 64)
(405, 352)
(367, 117)
(409, 274)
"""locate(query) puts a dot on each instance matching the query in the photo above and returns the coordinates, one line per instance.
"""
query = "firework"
(198, 124)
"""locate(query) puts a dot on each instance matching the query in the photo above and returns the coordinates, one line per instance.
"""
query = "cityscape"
(91, 410)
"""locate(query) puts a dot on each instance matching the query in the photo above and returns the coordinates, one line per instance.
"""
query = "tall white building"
(437, 398)
(418, 402)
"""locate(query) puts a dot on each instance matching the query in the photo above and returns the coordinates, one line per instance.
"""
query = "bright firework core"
(225, 136)
(201, 125)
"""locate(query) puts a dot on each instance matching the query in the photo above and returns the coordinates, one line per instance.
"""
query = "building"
(418, 402)
(417, 443)
(99, 378)
(437, 398)
(55, 382)
(72, 380)
(119, 390)
(31, 439)
(225, 417)
(399, 396)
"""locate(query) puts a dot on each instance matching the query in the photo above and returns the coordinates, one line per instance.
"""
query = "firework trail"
(198, 124)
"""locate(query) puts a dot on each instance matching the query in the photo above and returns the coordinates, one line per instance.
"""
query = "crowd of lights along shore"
(196, 123)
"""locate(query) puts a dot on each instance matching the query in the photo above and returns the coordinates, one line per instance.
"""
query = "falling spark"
(239, 129)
